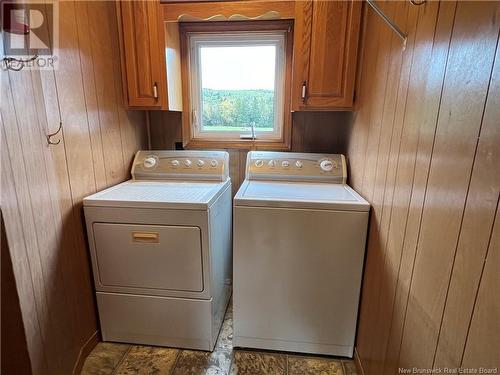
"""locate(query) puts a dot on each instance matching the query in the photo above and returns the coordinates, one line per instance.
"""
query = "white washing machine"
(161, 250)
(299, 244)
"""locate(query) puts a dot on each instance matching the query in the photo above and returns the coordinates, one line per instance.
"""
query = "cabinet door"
(143, 53)
(326, 44)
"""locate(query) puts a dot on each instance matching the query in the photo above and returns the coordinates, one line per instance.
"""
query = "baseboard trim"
(357, 361)
(85, 350)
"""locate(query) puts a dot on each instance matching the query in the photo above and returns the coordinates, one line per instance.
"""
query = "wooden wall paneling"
(376, 248)
(91, 102)
(433, 90)
(404, 170)
(322, 132)
(66, 218)
(105, 60)
(390, 160)
(479, 217)
(360, 126)
(78, 150)
(165, 129)
(468, 71)
(141, 129)
(243, 163)
(358, 149)
(60, 202)
(234, 170)
(19, 244)
(483, 340)
(72, 100)
(28, 146)
(382, 62)
(48, 121)
(366, 326)
(14, 349)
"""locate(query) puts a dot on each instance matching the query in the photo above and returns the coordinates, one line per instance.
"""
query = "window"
(236, 80)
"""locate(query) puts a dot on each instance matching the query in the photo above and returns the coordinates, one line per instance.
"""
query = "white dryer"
(299, 244)
(160, 246)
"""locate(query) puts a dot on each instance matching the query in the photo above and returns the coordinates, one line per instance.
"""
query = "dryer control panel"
(185, 165)
(295, 166)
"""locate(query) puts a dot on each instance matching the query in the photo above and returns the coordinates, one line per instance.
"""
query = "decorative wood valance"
(228, 11)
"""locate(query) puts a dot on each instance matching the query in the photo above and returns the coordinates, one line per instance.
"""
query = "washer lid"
(299, 195)
(158, 194)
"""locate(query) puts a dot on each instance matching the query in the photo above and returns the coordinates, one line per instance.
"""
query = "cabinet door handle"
(155, 91)
(304, 92)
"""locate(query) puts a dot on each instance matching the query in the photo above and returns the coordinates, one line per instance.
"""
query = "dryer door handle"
(146, 237)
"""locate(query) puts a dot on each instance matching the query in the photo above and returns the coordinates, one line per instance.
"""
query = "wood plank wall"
(424, 149)
(323, 132)
(14, 353)
(43, 186)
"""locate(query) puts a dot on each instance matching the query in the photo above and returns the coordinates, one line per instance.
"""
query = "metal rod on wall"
(388, 21)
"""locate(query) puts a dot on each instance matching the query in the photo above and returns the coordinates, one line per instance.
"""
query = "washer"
(161, 250)
(299, 244)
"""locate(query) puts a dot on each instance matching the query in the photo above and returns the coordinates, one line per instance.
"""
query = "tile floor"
(122, 359)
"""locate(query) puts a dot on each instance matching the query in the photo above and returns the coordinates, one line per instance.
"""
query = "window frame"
(195, 30)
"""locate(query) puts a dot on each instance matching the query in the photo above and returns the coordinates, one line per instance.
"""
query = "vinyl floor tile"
(148, 360)
(104, 358)
(192, 362)
(255, 363)
(314, 366)
(121, 359)
(349, 367)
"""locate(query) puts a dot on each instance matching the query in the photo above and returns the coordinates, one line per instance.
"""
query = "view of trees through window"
(236, 110)
(237, 85)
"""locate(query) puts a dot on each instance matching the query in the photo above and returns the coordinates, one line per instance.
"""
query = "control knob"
(326, 165)
(150, 162)
(200, 163)
(299, 164)
(285, 164)
(271, 163)
(174, 163)
(214, 163)
(187, 163)
(259, 163)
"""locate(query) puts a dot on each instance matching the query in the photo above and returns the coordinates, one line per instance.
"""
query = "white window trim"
(198, 40)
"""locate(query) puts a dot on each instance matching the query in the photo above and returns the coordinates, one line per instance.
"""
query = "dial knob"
(326, 165)
(150, 162)
(214, 163)
(299, 164)
(259, 163)
(187, 163)
(285, 164)
(271, 163)
(174, 163)
(200, 163)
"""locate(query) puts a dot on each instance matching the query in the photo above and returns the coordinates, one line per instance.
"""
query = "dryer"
(160, 246)
(299, 244)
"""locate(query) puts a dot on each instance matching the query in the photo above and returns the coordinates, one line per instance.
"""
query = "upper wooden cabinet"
(142, 47)
(325, 54)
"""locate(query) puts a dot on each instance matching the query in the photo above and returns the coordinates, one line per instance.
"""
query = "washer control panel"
(294, 166)
(189, 165)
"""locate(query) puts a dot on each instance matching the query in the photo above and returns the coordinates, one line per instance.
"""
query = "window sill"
(244, 144)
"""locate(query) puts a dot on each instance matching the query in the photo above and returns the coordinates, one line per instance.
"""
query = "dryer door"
(149, 256)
